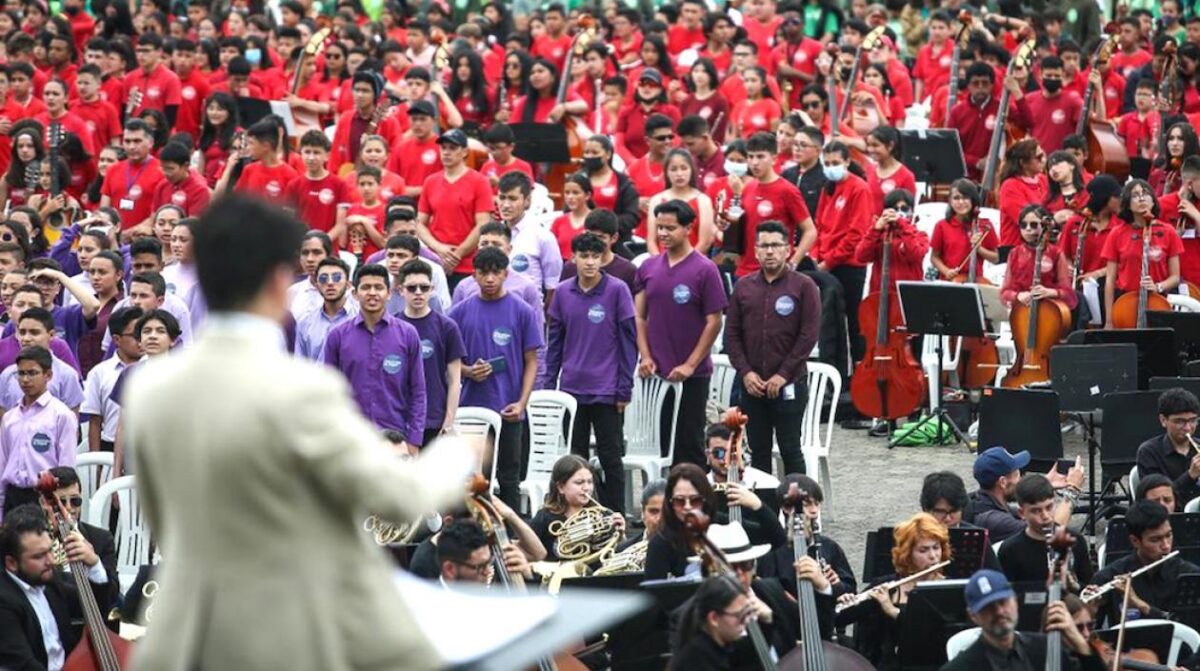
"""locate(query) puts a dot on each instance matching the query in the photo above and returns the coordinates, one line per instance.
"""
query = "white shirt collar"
(246, 325)
(26, 587)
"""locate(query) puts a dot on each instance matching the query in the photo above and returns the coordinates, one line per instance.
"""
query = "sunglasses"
(330, 278)
(718, 452)
(693, 501)
(418, 288)
(74, 501)
(663, 138)
(811, 105)
(1030, 225)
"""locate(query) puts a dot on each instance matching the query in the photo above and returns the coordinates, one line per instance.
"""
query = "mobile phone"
(1064, 466)
(499, 364)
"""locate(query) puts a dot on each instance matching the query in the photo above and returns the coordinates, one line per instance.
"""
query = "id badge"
(125, 204)
(788, 393)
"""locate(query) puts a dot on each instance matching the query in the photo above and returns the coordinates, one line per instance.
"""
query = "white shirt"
(171, 303)
(304, 298)
(753, 478)
(55, 654)
(68, 298)
(97, 389)
(536, 254)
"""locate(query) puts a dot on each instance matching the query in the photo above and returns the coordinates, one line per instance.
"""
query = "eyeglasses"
(479, 568)
(73, 501)
(330, 278)
(418, 288)
(693, 501)
(743, 566)
(1030, 225)
(1141, 196)
(811, 104)
(663, 138)
(1185, 421)
(942, 512)
(740, 615)
(770, 246)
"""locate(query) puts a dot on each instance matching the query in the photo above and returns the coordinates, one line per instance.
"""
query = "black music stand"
(1156, 637)
(1191, 384)
(1187, 330)
(934, 156)
(1130, 418)
(1185, 607)
(1082, 375)
(968, 550)
(1186, 527)
(940, 309)
(937, 610)
(1156, 351)
(541, 142)
(1038, 431)
(643, 641)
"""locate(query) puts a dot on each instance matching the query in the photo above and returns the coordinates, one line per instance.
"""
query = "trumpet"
(630, 560)
(1112, 584)
(865, 595)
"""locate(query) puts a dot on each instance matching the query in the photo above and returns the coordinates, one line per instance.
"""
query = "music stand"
(936, 611)
(1156, 637)
(643, 641)
(541, 142)
(968, 549)
(940, 309)
(1185, 606)
(1156, 351)
(1187, 330)
(934, 156)
(252, 110)
(1038, 431)
(1191, 384)
(1186, 527)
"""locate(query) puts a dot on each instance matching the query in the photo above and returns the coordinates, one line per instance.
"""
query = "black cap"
(651, 74)
(420, 107)
(453, 136)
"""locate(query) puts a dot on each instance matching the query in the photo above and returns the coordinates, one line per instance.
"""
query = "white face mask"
(736, 169)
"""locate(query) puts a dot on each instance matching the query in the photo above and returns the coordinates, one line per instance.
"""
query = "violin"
(734, 420)
(1036, 327)
(888, 383)
(100, 649)
(979, 356)
(1106, 152)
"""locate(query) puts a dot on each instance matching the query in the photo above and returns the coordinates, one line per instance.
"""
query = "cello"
(557, 173)
(888, 383)
(734, 420)
(1036, 327)
(304, 119)
(812, 653)
(1106, 151)
(1021, 58)
(1129, 310)
(960, 41)
(100, 649)
(979, 355)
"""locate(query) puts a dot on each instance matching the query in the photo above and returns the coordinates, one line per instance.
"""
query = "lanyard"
(129, 183)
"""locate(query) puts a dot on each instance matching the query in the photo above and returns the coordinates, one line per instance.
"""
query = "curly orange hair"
(921, 527)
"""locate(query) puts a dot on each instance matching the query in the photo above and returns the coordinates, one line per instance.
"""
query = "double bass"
(304, 119)
(100, 649)
(557, 173)
(1106, 150)
(1129, 310)
(734, 420)
(979, 357)
(1021, 58)
(888, 383)
(1036, 327)
(960, 42)
(868, 44)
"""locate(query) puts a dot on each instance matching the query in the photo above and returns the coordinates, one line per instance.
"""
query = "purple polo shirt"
(10, 348)
(521, 286)
(64, 385)
(622, 269)
(505, 327)
(678, 299)
(36, 438)
(593, 341)
(384, 370)
(441, 343)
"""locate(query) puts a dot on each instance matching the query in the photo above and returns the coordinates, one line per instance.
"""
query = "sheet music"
(494, 621)
(1091, 294)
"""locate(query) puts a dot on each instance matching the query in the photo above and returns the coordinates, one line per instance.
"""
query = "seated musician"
(1123, 249)
(35, 631)
(424, 563)
(952, 241)
(652, 514)
(714, 620)
(921, 542)
(716, 442)
(1081, 615)
(780, 563)
(997, 472)
(1153, 592)
(69, 494)
(1055, 271)
(1182, 208)
(1159, 489)
(776, 611)
(992, 604)
(670, 552)
(571, 490)
(540, 104)
(465, 555)
(944, 495)
(1023, 556)
(1172, 454)
(1104, 201)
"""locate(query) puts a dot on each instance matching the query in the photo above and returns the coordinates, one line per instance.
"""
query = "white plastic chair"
(133, 533)
(720, 385)
(961, 641)
(547, 411)
(94, 470)
(643, 419)
(927, 215)
(1183, 635)
(992, 215)
(479, 423)
(930, 364)
(640, 259)
(1133, 481)
(824, 382)
(1192, 506)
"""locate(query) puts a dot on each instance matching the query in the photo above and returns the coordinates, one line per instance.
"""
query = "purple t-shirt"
(593, 341)
(678, 299)
(10, 348)
(384, 370)
(441, 343)
(506, 328)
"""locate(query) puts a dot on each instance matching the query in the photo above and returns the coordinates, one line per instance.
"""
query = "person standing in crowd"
(1023, 555)
(442, 347)
(998, 471)
(603, 224)
(501, 340)
(844, 214)
(332, 276)
(771, 326)
(35, 328)
(454, 206)
(593, 344)
(129, 185)
(100, 410)
(534, 249)
(380, 355)
(366, 88)
(680, 299)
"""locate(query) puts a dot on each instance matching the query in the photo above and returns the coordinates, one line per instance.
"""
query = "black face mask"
(845, 73)
(1052, 86)
(593, 163)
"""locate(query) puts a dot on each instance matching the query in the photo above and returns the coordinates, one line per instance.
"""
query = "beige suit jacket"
(256, 471)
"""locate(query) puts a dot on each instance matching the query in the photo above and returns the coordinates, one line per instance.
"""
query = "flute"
(1112, 584)
(864, 596)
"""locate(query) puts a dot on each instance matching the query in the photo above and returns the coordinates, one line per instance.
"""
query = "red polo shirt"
(779, 200)
(193, 91)
(952, 243)
(159, 89)
(131, 189)
(1124, 246)
(933, 68)
(102, 119)
(316, 200)
(1093, 243)
(267, 182)
(1055, 274)
(631, 124)
(191, 194)
(415, 160)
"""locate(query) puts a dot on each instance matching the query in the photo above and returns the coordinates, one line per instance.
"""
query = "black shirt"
(1028, 654)
(1158, 455)
(1024, 559)
(810, 184)
(541, 526)
(779, 563)
(424, 563)
(701, 653)
(668, 557)
(1155, 587)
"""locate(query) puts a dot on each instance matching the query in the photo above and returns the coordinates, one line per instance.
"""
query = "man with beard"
(974, 116)
(332, 277)
(992, 604)
(997, 471)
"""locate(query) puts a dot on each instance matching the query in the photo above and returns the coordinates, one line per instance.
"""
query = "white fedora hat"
(733, 541)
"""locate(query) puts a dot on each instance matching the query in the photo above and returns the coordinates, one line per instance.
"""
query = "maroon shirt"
(771, 327)
(620, 268)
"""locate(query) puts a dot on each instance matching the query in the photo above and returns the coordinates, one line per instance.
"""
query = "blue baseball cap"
(997, 461)
(985, 587)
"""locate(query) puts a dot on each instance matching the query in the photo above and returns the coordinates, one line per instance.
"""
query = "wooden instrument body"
(978, 358)
(1032, 364)
(306, 120)
(557, 173)
(1106, 150)
(84, 657)
(1125, 308)
(1001, 135)
(888, 383)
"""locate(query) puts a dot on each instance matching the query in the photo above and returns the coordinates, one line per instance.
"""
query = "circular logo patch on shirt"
(179, 198)
(325, 196)
(1156, 253)
(91, 125)
(887, 185)
(135, 192)
(520, 263)
(705, 113)
(557, 53)
(170, 287)
(682, 293)
(153, 92)
(188, 93)
(40, 443)
(990, 122)
(392, 364)
(758, 121)
(784, 306)
(76, 178)
(469, 108)
(429, 156)
(426, 348)
(839, 203)
(1110, 93)
(502, 336)
(608, 191)
(944, 62)
(595, 314)
(765, 208)
(273, 189)
(1058, 117)
(1047, 264)
(709, 178)
(801, 57)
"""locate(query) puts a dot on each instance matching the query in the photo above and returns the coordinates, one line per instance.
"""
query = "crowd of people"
(736, 174)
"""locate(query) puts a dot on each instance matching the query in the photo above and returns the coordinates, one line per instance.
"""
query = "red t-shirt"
(1124, 246)
(193, 91)
(680, 38)
(604, 197)
(564, 231)
(1093, 244)
(762, 34)
(647, 177)
(191, 194)
(1189, 261)
(415, 160)
(1125, 64)
(102, 120)
(267, 182)
(1015, 194)
(779, 200)
(952, 243)
(933, 68)
(393, 185)
(131, 189)
(377, 214)
(752, 117)
(1139, 133)
(803, 57)
(159, 89)
(452, 207)
(1049, 120)
(83, 173)
(552, 49)
(541, 113)
(631, 125)
(882, 186)
(112, 90)
(72, 124)
(316, 200)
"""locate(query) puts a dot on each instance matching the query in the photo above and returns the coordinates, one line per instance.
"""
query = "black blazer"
(106, 548)
(975, 657)
(21, 647)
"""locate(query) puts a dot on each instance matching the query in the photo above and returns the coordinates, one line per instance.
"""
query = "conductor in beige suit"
(256, 470)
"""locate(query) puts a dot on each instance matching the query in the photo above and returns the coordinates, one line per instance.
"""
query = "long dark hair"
(1191, 146)
(1015, 157)
(345, 73)
(522, 86)
(1032, 208)
(121, 23)
(1126, 213)
(714, 595)
(710, 68)
(223, 135)
(673, 528)
(969, 189)
(887, 89)
(477, 81)
(564, 468)
(16, 169)
(532, 97)
(664, 57)
(162, 127)
(1076, 174)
